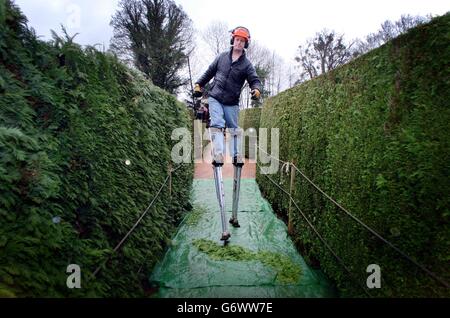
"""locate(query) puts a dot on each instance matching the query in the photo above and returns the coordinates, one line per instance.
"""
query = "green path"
(259, 261)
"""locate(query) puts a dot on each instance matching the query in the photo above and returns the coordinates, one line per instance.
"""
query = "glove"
(197, 91)
(255, 93)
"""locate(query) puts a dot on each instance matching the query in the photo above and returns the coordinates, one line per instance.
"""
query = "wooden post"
(290, 226)
(170, 179)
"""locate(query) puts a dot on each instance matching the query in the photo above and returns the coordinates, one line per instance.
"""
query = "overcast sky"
(280, 25)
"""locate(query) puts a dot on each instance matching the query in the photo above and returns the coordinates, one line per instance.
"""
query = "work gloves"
(255, 93)
(197, 91)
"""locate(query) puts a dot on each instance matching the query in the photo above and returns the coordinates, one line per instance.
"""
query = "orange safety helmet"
(242, 32)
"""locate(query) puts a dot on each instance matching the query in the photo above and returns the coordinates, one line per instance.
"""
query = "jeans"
(224, 117)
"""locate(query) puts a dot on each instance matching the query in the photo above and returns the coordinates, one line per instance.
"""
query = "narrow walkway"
(259, 261)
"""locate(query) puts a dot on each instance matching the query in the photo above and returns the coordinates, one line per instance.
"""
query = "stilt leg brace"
(217, 140)
(235, 145)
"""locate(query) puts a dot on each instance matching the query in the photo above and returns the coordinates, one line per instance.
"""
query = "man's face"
(239, 43)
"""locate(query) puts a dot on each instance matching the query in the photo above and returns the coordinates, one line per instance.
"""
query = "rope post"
(170, 179)
(291, 187)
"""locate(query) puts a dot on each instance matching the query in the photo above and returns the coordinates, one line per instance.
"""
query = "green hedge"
(69, 119)
(249, 118)
(373, 134)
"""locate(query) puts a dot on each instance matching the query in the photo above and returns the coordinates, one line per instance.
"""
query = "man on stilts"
(230, 70)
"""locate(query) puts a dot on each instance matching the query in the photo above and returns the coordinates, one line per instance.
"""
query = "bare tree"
(291, 78)
(276, 74)
(217, 37)
(388, 31)
(326, 51)
(156, 37)
(270, 68)
(260, 57)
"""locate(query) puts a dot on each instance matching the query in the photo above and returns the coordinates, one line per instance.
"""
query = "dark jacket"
(229, 78)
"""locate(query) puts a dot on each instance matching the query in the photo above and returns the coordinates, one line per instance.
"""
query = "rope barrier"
(138, 221)
(318, 235)
(423, 268)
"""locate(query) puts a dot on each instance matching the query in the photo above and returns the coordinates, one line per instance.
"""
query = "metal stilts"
(218, 161)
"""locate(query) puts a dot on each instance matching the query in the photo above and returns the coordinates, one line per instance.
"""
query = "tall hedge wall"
(69, 120)
(374, 134)
(249, 118)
